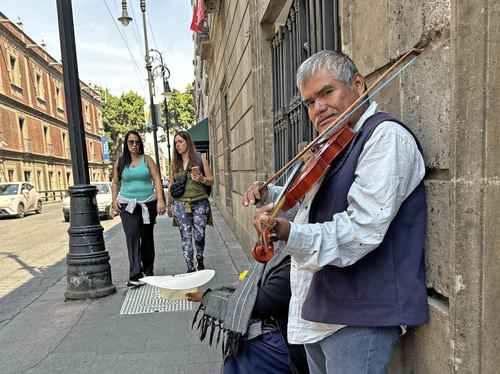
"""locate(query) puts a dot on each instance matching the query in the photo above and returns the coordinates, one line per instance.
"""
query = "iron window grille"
(311, 25)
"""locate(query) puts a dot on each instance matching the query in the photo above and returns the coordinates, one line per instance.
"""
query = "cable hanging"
(128, 47)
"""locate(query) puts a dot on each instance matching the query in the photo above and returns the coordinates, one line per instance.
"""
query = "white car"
(103, 198)
(19, 198)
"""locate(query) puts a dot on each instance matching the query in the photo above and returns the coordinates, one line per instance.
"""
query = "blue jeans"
(353, 350)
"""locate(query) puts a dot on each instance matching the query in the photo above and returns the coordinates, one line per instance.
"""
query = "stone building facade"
(34, 138)
(448, 97)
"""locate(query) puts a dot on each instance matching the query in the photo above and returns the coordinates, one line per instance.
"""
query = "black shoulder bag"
(178, 186)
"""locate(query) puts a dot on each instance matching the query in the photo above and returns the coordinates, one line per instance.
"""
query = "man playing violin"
(357, 238)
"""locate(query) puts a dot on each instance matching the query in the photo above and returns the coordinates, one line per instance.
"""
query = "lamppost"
(165, 75)
(88, 269)
(125, 20)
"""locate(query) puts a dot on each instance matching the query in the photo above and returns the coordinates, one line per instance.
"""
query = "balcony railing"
(203, 45)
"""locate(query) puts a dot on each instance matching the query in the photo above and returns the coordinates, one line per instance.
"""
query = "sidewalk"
(90, 336)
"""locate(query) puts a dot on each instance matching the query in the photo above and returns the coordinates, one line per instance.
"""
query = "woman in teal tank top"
(138, 198)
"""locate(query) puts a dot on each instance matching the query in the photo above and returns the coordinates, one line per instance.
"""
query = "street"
(32, 254)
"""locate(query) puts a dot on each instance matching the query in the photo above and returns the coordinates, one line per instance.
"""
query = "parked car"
(19, 198)
(103, 198)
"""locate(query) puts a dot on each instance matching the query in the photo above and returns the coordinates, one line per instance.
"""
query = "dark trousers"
(266, 354)
(140, 240)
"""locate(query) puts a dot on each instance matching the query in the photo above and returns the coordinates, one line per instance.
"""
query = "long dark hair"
(177, 159)
(125, 159)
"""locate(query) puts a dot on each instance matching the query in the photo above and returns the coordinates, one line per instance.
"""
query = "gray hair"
(336, 63)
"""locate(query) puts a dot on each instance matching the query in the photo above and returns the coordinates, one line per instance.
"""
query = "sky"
(103, 57)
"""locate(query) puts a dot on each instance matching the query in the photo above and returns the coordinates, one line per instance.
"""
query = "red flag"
(200, 12)
(198, 16)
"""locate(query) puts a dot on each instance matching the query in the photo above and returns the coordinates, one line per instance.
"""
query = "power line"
(126, 45)
(136, 28)
(152, 33)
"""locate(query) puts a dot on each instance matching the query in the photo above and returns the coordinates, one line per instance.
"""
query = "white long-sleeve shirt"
(389, 168)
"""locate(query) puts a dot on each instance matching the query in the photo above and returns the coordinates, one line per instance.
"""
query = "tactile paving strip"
(146, 299)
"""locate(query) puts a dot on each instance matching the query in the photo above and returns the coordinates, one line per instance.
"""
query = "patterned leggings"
(192, 224)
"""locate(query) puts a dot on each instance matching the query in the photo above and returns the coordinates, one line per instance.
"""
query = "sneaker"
(135, 283)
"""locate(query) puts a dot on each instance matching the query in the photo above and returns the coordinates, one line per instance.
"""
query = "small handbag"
(177, 188)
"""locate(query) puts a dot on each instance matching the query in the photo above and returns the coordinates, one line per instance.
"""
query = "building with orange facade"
(34, 139)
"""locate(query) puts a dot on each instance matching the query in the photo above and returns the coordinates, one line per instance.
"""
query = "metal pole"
(88, 269)
(154, 120)
(167, 121)
(167, 128)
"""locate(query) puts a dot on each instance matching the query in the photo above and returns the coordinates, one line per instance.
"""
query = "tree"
(181, 112)
(121, 114)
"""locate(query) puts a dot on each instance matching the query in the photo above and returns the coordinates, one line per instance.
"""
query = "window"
(60, 181)
(51, 176)
(102, 188)
(14, 71)
(40, 91)
(311, 25)
(27, 176)
(65, 146)
(10, 174)
(87, 114)
(39, 180)
(59, 100)
(46, 137)
(99, 122)
(25, 140)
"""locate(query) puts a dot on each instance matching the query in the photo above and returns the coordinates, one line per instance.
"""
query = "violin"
(324, 149)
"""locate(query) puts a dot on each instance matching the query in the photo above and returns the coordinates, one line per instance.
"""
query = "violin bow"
(368, 94)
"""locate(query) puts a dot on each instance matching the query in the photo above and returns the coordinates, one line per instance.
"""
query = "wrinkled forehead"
(318, 80)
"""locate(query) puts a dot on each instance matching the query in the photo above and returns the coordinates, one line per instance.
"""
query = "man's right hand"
(254, 193)
(194, 296)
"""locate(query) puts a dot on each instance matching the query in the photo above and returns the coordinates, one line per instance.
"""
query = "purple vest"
(387, 286)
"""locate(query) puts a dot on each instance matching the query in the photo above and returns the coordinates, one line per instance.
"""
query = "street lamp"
(125, 20)
(165, 74)
(88, 269)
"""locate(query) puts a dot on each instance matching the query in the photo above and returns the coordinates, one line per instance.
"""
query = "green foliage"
(181, 111)
(121, 114)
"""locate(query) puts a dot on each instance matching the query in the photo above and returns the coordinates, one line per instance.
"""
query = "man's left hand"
(280, 227)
